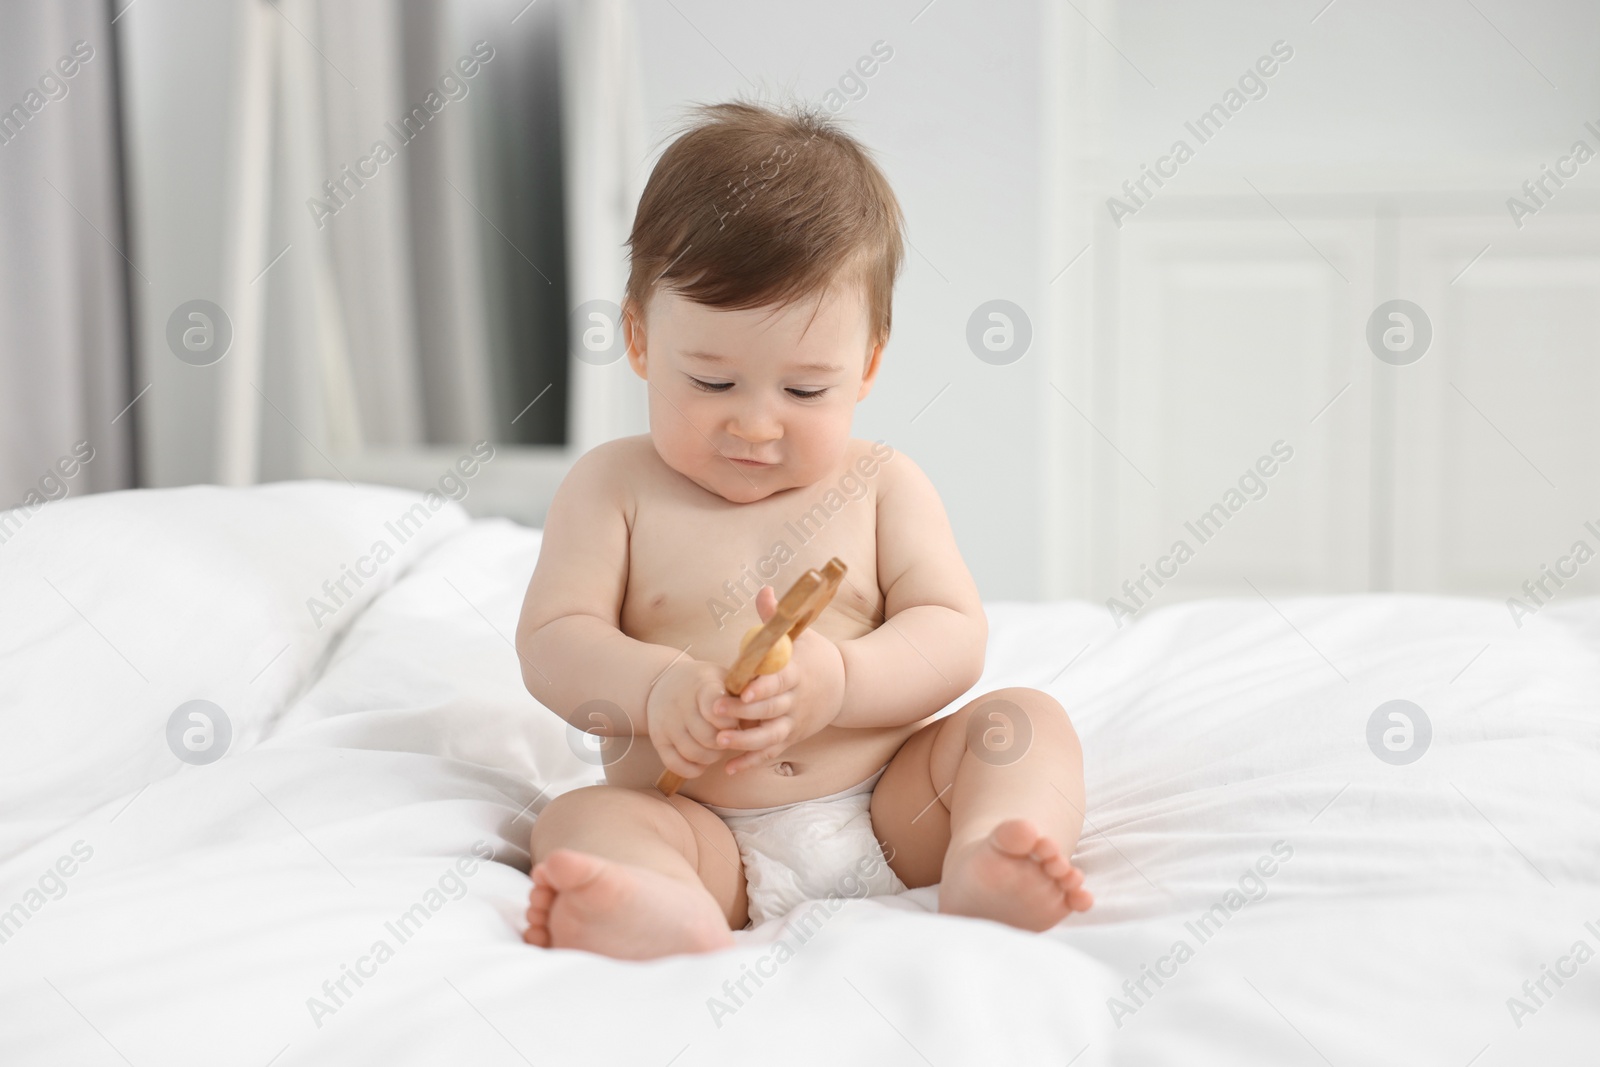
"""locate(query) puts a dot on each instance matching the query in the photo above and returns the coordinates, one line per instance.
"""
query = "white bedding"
(207, 905)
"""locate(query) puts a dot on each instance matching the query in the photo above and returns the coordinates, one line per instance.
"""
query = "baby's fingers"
(719, 713)
(755, 759)
(686, 756)
(703, 727)
(765, 686)
(766, 710)
(772, 732)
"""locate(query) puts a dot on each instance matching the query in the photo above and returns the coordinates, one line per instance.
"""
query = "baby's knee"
(1005, 723)
(1037, 706)
(578, 808)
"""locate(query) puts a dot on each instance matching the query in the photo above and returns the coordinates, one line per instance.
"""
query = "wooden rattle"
(766, 649)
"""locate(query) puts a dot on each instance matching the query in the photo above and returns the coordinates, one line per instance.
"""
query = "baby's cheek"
(824, 445)
(672, 435)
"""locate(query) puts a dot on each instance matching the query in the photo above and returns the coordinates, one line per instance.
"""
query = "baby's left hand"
(792, 704)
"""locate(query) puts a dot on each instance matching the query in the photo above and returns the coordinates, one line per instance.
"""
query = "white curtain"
(384, 325)
(606, 156)
(411, 307)
(64, 330)
(369, 330)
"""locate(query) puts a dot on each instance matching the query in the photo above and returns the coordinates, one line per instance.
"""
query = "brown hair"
(753, 206)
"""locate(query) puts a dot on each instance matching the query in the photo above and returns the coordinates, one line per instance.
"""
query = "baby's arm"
(930, 648)
(568, 639)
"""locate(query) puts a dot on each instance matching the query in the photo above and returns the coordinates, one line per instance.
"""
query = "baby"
(763, 258)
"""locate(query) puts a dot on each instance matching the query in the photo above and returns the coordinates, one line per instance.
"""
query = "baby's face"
(750, 403)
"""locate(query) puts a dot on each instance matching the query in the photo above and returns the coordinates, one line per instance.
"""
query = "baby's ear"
(633, 336)
(870, 375)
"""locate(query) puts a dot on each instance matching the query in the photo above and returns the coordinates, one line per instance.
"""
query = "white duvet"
(345, 883)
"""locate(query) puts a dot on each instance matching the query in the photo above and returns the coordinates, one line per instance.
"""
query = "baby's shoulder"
(612, 471)
(880, 464)
(619, 461)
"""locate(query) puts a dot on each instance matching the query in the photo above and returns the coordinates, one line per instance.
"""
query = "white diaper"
(810, 850)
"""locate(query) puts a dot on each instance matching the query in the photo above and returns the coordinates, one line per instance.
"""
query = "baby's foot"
(1016, 876)
(619, 910)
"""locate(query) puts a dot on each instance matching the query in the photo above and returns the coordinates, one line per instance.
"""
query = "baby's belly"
(834, 758)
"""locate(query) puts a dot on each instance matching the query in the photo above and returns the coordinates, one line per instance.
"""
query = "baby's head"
(764, 254)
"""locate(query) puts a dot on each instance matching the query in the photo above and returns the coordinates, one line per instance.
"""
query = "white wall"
(1232, 306)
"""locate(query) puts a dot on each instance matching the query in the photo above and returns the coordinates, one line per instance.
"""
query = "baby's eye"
(710, 387)
(807, 394)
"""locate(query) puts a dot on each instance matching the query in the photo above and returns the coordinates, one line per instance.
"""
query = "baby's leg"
(631, 874)
(988, 801)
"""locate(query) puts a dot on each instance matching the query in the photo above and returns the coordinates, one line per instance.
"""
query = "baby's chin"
(739, 485)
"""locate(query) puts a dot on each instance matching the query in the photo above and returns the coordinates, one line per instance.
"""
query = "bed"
(334, 869)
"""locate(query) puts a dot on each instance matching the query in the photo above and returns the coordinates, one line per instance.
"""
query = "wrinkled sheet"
(345, 883)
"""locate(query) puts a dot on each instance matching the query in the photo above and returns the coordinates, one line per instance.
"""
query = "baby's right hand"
(681, 717)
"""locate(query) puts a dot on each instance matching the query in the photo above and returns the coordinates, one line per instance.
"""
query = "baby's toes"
(540, 899)
(1078, 898)
(1045, 849)
(1059, 868)
(1070, 879)
(1017, 837)
(538, 931)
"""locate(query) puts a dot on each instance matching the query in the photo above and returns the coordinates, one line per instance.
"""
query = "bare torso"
(689, 550)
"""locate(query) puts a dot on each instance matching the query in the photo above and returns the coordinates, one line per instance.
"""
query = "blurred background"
(1228, 298)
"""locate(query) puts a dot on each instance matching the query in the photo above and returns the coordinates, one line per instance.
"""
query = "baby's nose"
(756, 425)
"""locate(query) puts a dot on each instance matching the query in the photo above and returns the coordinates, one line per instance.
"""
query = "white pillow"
(120, 607)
